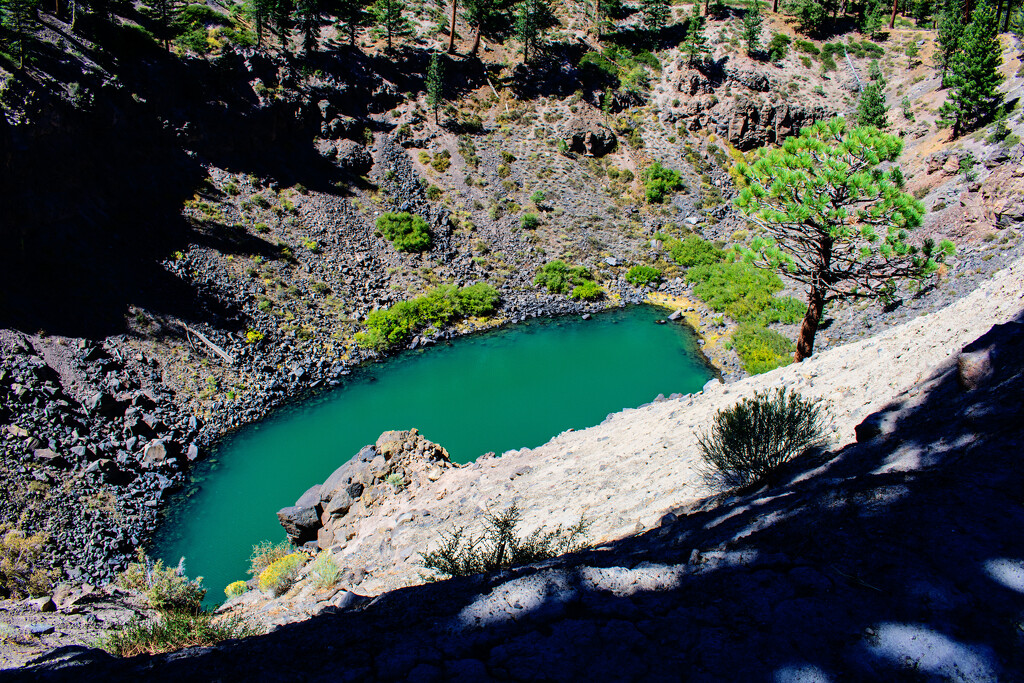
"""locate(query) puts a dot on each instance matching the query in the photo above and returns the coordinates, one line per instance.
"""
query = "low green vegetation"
(761, 349)
(694, 251)
(325, 570)
(749, 441)
(22, 570)
(641, 275)
(405, 231)
(530, 221)
(560, 278)
(389, 327)
(499, 546)
(586, 291)
(659, 182)
(625, 71)
(182, 622)
(265, 553)
(744, 293)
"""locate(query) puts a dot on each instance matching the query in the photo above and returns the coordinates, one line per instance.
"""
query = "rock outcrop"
(586, 133)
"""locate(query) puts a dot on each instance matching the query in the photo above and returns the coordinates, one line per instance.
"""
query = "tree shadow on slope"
(899, 558)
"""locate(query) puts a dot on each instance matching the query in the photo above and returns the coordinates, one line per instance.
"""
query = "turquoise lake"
(496, 391)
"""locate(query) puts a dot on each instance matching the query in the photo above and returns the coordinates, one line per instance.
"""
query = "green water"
(496, 391)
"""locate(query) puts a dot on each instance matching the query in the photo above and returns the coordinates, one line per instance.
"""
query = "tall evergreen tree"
(752, 22)
(832, 220)
(435, 83)
(260, 14)
(18, 17)
(533, 18)
(281, 14)
(391, 21)
(656, 14)
(872, 109)
(695, 45)
(974, 74)
(308, 17)
(951, 30)
(353, 15)
(487, 17)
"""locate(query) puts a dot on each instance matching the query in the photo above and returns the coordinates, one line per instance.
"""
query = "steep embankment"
(894, 558)
(622, 475)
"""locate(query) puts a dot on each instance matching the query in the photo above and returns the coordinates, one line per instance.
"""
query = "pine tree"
(695, 46)
(487, 17)
(752, 22)
(308, 17)
(872, 109)
(18, 17)
(435, 83)
(950, 31)
(281, 16)
(533, 18)
(656, 14)
(391, 21)
(974, 74)
(832, 220)
(352, 15)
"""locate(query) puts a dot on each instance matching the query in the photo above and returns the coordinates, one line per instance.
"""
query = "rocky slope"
(895, 557)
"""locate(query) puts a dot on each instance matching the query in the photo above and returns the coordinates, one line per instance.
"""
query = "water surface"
(496, 391)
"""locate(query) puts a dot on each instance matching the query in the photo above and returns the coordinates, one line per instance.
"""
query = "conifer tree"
(656, 14)
(352, 15)
(695, 46)
(832, 220)
(391, 21)
(18, 17)
(974, 74)
(486, 17)
(435, 83)
(533, 18)
(752, 22)
(950, 30)
(308, 16)
(872, 109)
(281, 15)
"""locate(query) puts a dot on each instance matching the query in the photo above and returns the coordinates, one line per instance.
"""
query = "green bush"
(694, 251)
(641, 275)
(530, 221)
(325, 570)
(22, 569)
(279, 576)
(744, 293)
(235, 588)
(166, 588)
(173, 631)
(660, 182)
(389, 327)
(761, 349)
(499, 546)
(558, 278)
(587, 291)
(405, 231)
(778, 46)
(749, 441)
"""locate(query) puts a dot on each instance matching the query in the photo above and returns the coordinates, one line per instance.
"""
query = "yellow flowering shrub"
(281, 574)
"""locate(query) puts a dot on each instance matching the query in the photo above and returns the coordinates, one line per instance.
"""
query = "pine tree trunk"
(809, 327)
(476, 41)
(775, 5)
(892, 19)
(451, 38)
(1006, 17)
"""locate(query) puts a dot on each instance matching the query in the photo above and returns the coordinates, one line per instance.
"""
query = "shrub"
(266, 553)
(433, 192)
(235, 589)
(325, 570)
(587, 291)
(21, 567)
(499, 546)
(558, 278)
(694, 251)
(761, 349)
(478, 300)
(660, 182)
(750, 440)
(442, 160)
(166, 588)
(743, 292)
(173, 631)
(642, 275)
(279, 576)
(405, 231)
(389, 327)
(253, 336)
(778, 46)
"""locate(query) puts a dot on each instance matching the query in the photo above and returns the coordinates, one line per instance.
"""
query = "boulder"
(155, 453)
(102, 403)
(586, 133)
(300, 523)
(352, 157)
